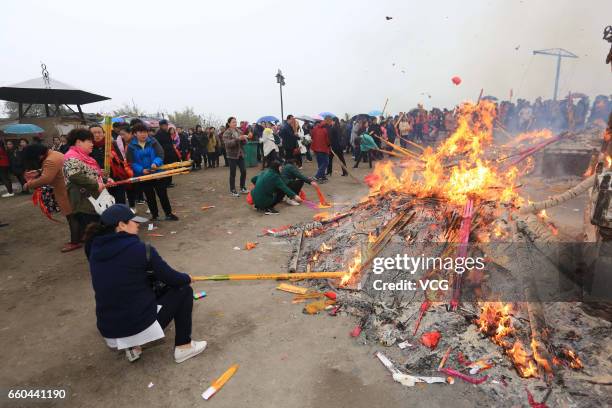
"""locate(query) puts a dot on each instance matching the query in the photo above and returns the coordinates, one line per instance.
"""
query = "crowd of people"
(571, 113)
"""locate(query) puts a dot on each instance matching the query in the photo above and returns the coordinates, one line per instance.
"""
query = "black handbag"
(158, 287)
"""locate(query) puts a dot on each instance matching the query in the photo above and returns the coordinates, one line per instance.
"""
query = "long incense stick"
(271, 276)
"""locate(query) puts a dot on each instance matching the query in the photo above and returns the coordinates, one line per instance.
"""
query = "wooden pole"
(296, 256)
(345, 168)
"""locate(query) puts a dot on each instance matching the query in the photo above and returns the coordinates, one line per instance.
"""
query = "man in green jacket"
(270, 189)
(367, 145)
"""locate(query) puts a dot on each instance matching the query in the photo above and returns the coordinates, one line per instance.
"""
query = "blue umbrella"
(268, 119)
(22, 129)
(375, 113)
(324, 114)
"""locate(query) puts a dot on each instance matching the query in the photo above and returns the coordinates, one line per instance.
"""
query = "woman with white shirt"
(124, 273)
(270, 148)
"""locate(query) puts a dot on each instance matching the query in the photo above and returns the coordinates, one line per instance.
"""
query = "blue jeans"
(322, 162)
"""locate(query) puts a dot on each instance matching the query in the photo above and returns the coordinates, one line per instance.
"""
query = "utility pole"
(280, 79)
(559, 53)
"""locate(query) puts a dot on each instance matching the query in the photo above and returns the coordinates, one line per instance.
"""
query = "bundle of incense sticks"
(186, 163)
(147, 177)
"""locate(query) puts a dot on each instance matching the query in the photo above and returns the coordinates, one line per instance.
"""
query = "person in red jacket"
(320, 145)
(4, 171)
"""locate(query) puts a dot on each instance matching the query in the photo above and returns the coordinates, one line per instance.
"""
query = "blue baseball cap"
(117, 213)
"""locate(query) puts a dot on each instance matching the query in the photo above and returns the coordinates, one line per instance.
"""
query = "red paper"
(431, 339)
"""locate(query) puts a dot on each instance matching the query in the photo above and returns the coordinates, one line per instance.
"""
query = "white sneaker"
(148, 211)
(7, 195)
(291, 202)
(133, 353)
(196, 348)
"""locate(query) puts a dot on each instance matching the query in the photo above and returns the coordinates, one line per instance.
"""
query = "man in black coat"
(290, 140)
(334, 130)
(165, 140)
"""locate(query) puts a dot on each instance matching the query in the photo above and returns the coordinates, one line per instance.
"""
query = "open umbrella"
(375, 113)
(269, 118)
(324, 114)
(317, 117)
(22, 129)
(306, 118)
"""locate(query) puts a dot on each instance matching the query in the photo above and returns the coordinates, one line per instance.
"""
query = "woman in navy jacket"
(128, 312)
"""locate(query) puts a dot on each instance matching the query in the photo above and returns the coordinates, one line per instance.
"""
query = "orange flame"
(495, 321)
(523, 362)
(354, 267)
(572, 358)
(457, 169)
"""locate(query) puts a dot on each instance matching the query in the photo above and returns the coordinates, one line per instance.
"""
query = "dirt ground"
(287, 359)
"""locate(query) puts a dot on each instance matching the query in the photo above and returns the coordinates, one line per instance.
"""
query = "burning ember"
(495, 322)
(524, 364)
(325, 248)
(571, 358)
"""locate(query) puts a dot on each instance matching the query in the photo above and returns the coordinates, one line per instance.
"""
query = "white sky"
(220, 57)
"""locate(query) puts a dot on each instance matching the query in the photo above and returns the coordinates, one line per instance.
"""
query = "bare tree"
(128, 110)
(186, 118)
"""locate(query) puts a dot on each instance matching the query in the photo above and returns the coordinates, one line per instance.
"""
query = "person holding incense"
(270, 189)
(119, 168)
(367, 146)
(45, 167)
(129, 312)
(145, 156)
(294, 179)
(83, 177)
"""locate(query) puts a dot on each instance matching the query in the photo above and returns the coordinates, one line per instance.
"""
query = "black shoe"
(2, 224)
(344, 174)
(271, 211)
(234, 193)
(244, 191)
(171, 185)
(171, 217)
(355, 166)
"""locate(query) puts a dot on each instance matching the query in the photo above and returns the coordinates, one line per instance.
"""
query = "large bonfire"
(436, 201)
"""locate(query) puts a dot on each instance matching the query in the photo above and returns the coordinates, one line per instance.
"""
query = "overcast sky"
(220, 57)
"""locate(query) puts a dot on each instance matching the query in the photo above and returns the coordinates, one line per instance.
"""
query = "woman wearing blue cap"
(137, 293)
